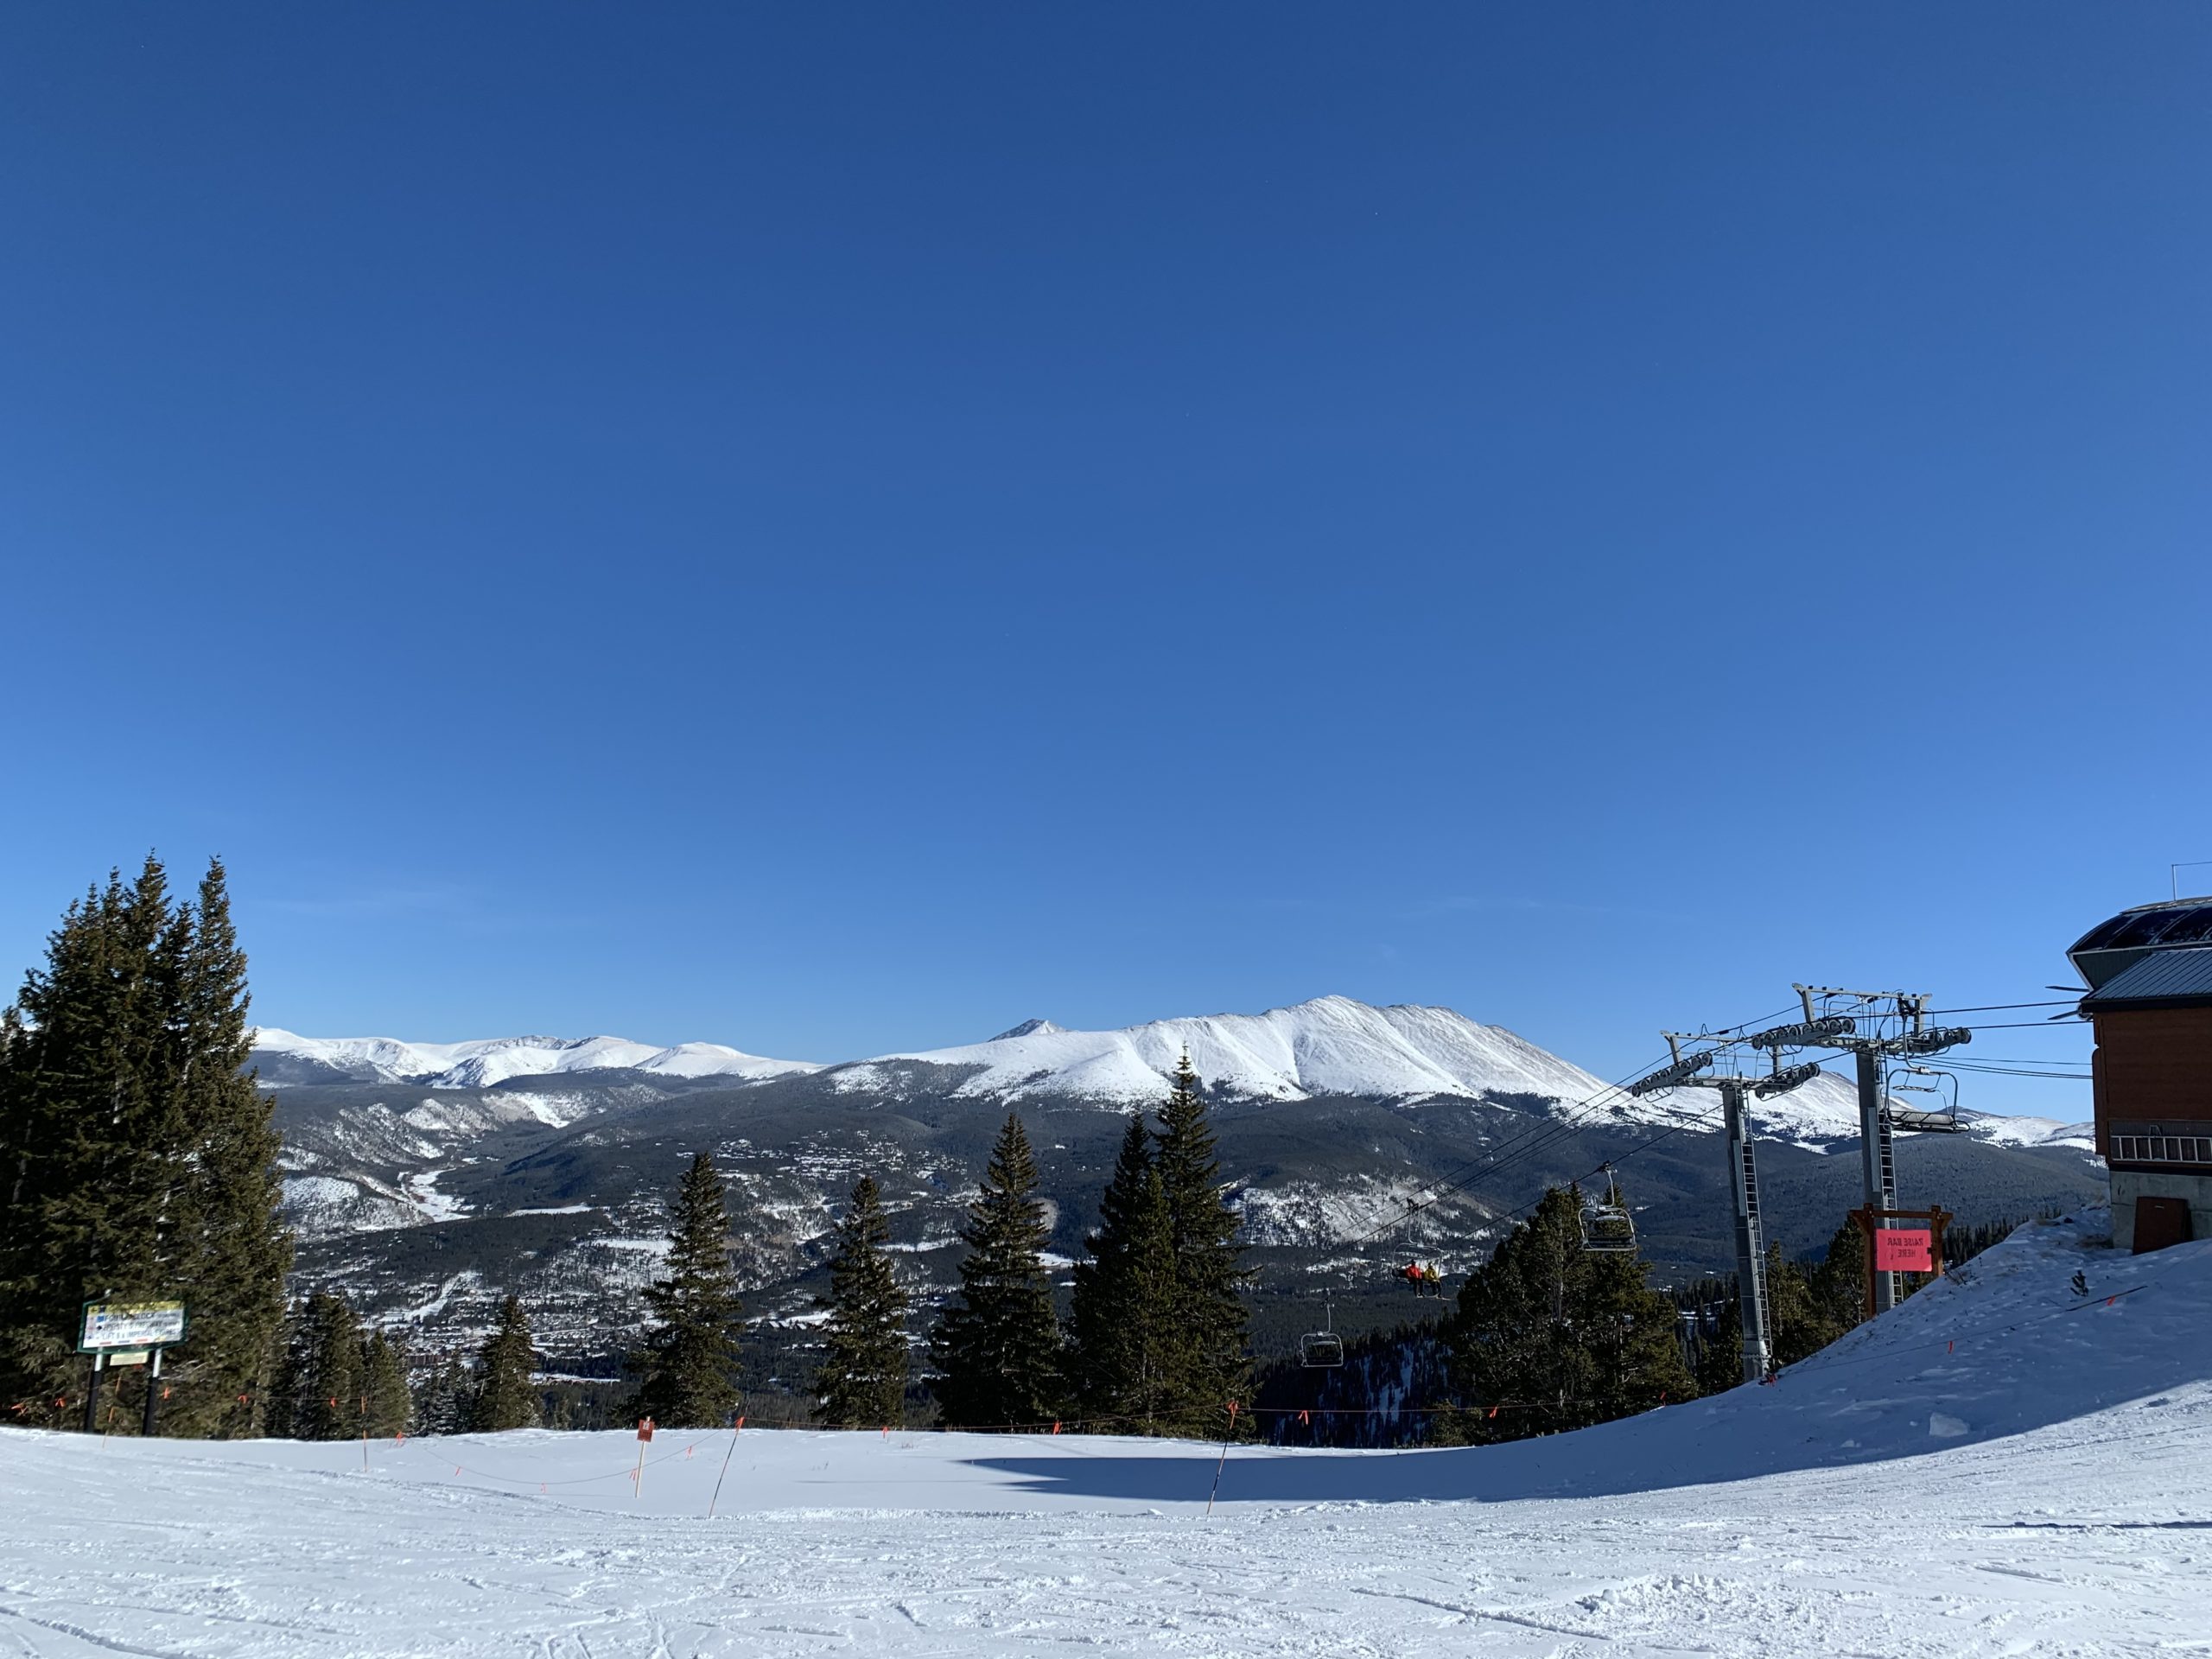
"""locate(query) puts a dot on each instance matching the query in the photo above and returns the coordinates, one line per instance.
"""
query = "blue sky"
(835, 529)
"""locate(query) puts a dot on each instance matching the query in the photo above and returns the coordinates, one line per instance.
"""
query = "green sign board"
(109, 1326)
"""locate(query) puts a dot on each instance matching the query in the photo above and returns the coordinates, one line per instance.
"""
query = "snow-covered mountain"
(1331, 1046)
(286, 1057)
(424, 1178)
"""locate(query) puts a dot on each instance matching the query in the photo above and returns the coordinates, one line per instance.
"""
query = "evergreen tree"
(138, 1163)
(1120, 1313)
(1807, 1308)
(229, 1250)
(863, 1379)
(444, 1397)
(285, 1404)
(1212, 1366)
(1839, 1284)
(1565, 1336)
(1720, 1358)
(687, 1368)
(997, 1345)
(387, 1409)
(505, 1396)
(331, 1407)
(83, 1097)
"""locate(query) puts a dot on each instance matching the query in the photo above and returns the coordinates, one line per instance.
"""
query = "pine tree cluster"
(1558, 1337)
(1156, 1340)
(337, 1382)
(137, 1157)
(1158, 1323)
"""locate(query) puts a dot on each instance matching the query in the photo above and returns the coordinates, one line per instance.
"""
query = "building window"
(2162, 1149)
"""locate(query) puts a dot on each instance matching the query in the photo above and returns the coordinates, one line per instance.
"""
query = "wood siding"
(2152, 1065)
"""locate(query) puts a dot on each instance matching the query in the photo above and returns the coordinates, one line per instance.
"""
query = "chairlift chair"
(1607, 1227)
(1322, 1349)
(1942, 1116)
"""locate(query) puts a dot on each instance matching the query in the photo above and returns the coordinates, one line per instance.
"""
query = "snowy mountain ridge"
(1330, 1045)
(482, 1063)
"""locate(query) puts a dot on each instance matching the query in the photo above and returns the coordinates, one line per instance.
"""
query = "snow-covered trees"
(687, 1366)
(862, 1378)
(136, 1158)
(997, 1344)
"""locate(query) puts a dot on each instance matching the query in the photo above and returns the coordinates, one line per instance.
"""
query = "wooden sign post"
(1901, 1249)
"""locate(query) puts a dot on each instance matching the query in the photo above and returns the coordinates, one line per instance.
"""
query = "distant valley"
(426, 1180)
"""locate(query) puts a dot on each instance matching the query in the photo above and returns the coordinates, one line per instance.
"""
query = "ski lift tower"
(1895, 1026)
(1685, 1072)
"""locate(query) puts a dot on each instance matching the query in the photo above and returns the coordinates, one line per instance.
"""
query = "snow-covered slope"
(480, 1064)
(2001, 1466)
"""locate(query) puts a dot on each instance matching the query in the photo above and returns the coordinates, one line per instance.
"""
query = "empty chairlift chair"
(1607, 1227)
(1941, 1113)
(1322, 1349)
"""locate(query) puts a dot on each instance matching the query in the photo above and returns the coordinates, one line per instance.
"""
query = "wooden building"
(2149, 971)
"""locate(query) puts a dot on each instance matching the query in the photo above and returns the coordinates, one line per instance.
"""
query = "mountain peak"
(1030, 1028)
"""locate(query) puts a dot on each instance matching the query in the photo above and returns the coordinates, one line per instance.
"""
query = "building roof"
(2163, 979)
(2112, 947)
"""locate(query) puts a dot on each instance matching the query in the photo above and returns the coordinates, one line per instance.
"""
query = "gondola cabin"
(2149, 972)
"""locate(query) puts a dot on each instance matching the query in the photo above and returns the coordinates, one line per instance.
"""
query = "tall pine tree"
(1119, 1298)
(505, 1396)
(387, 1407)
(997, 1344)
(862, 1380)
(1213, 1364)
(230, 1250)
(686, 1367)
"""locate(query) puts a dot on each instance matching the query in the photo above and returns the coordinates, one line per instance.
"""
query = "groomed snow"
(2001, 1466)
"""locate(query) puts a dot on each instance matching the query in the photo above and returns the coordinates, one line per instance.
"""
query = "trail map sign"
(109, 1326)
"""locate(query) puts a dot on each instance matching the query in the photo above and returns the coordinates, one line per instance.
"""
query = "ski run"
(2004, 1465)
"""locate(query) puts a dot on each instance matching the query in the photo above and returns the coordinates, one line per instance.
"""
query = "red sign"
(644, 1428)
(1903, 1250)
